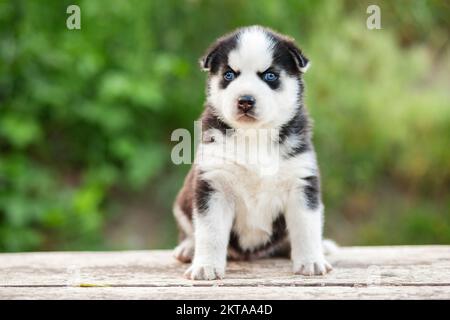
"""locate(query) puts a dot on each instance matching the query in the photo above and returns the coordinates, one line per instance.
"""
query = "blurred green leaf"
(19, 130)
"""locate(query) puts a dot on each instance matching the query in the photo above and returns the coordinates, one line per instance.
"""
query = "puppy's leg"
(213, 219)
(184, 251)
(182, 211)
(304, 217)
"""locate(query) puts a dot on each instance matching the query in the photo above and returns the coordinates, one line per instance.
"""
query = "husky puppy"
(236, 208)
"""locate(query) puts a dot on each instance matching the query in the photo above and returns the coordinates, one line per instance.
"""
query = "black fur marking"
(217, 55)
(287, 54)
(300, 58)
(279, 233)
(211, 121)
(298, 126)
(312, 192)
(272, 84)
(301, 147)
(284, 59)
(224, 83)
(203, 191)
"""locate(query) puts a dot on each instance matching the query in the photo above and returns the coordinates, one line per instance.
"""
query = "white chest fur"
(250, 170)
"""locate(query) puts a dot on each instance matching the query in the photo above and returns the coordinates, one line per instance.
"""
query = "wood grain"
(402, 272)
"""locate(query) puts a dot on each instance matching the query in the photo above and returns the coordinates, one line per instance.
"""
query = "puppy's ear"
(300, 59)
(207, 59)
(217, 53)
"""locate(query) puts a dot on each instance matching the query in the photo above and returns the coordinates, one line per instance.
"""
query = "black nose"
(245, 103)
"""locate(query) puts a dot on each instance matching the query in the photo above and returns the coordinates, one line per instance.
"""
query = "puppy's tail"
(329, 246)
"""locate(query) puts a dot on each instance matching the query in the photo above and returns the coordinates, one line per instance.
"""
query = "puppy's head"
(255, 77)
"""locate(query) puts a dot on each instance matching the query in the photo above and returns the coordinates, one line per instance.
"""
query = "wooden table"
(401, 272)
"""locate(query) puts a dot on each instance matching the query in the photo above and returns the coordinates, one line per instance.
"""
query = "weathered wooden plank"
(233, 293)
(384, 272)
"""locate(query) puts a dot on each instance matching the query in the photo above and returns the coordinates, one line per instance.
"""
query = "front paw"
(312, 267)
(204, 272)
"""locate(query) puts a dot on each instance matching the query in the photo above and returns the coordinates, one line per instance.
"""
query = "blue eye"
(229, 75)
(270, 76)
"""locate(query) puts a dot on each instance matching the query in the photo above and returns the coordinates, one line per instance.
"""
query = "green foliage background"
(86, 116)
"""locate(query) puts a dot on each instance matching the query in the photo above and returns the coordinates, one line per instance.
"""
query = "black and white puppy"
(232, 207)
